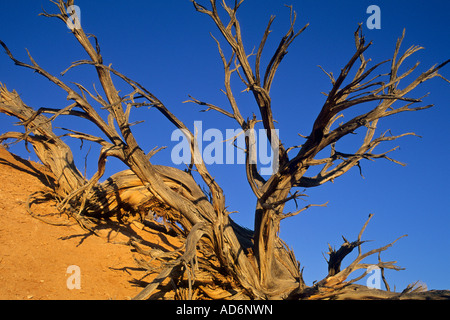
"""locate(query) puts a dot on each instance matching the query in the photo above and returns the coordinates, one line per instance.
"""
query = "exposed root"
(41, 197)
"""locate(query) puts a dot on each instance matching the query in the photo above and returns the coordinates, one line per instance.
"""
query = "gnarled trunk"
(242, 263)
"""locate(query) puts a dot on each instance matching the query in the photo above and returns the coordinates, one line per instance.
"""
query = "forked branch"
(358, 91)
(252, 264)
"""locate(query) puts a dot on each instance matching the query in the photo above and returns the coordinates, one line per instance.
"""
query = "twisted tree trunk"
(241, 263)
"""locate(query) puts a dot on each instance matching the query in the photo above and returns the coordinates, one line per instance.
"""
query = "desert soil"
(35, 256)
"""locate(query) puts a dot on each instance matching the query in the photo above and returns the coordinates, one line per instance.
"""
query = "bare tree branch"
(240, 263)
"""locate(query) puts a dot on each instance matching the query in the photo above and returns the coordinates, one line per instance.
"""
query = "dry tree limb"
(51, 150)
(256, 264)
(336, 273)
(193, 238)
(334, 284)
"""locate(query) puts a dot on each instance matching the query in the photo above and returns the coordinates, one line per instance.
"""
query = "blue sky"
(165, 45)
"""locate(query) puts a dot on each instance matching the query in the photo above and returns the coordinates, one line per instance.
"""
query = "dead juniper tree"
(220, 259)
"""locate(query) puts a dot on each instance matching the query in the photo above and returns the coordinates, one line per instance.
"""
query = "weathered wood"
(51, 150)
(243, 263)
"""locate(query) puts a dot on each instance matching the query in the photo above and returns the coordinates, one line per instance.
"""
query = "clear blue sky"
(165, 45)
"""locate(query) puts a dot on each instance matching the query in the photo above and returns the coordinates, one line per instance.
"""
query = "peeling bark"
(220, 259)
